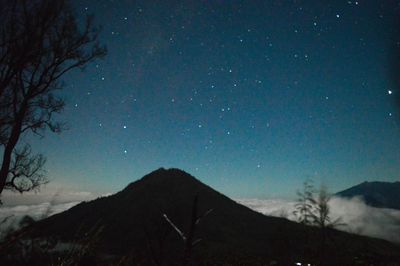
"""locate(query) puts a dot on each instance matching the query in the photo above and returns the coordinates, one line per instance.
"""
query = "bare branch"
(26, 172)
(180, 233)
(40, 41)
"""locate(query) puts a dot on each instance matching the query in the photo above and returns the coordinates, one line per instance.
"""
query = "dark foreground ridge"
(376, 194)
(129, 228)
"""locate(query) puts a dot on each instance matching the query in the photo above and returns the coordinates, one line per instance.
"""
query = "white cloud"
(55, 196)
(272, 207)
(366, 220)
(10, 216)
(358, 217)
(37, 205)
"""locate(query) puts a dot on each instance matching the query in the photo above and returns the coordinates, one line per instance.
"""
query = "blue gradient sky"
(251, 97)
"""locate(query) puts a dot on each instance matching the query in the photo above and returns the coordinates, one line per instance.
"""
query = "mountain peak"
(166, 179)
(167, 173)
(133, 222)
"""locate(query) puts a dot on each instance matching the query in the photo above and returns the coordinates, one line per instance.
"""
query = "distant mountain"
(130, 227)
(376, 194)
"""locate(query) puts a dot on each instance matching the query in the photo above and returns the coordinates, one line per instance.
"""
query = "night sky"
(251, 97)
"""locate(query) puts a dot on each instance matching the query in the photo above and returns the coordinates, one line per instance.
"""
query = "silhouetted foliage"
(18, 248)
(314, 210)
(321, 214)
(40, 41)
(322, 219)
(305, 203)
(232, 234)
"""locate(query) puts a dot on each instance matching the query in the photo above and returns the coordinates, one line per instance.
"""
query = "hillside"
(130, 225)
(376, 194)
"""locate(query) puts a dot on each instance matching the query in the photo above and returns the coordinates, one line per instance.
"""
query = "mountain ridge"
(376, 193)
(131, 223)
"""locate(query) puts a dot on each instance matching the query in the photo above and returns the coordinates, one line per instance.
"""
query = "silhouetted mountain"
(376, 194)
(130, 225)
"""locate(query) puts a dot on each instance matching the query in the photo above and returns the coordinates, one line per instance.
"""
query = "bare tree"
(322, 219)
(40, 41)
(321, 214)
(305, 203)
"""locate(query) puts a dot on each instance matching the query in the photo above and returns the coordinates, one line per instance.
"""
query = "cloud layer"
(54, 196)
(358, 217)
(10, 216)
(37, 205)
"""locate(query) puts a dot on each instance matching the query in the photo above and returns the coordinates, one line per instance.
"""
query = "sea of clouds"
(358, 217)
(36, 205)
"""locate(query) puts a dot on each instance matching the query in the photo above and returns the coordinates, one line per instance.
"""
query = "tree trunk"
(12, 142)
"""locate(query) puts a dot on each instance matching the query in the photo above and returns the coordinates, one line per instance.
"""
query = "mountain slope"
(376, 194)
(131, 224)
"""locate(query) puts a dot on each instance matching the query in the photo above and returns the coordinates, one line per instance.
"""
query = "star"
(206, 87)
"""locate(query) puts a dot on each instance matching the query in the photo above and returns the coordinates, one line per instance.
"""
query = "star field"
(252, 97)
